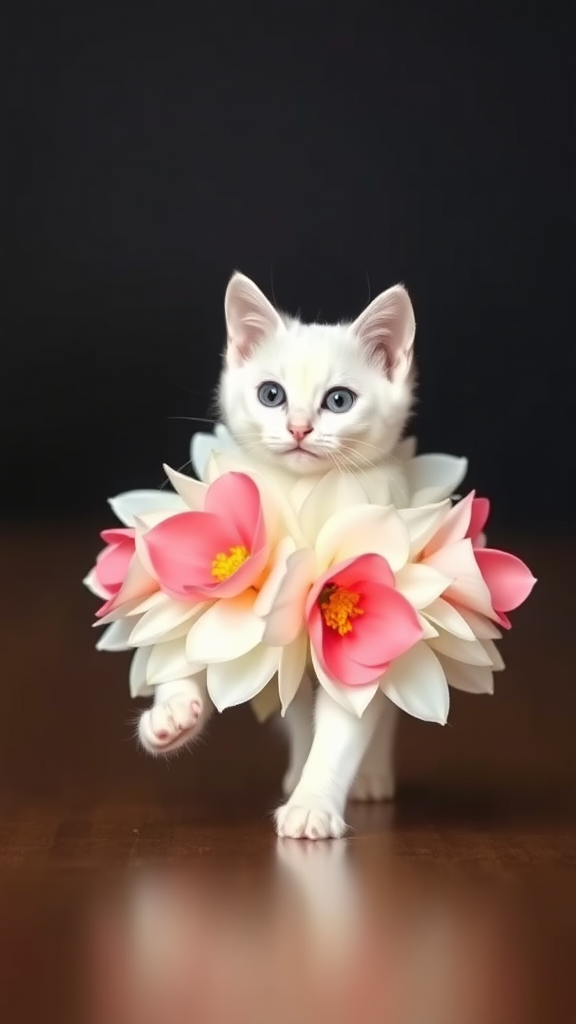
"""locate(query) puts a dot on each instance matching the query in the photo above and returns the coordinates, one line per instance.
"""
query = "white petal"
(149, 602)
(338, 693)
(428, 630)
(482, 627)
(235, 682)
(377, 485)
(442, 613)
(421, 584)
(285, 618)
(137, 585)
(134, 503)
(202, 445)
(126, 610)
(168, 661)
(434, 477)
(91, 581)
(470, 678)
(471, 652)
(116, 637)
(417, 684)
(267, 702)
(352, 698)
(398, 486)
(422, 523)
(227, 631)
(494, 655)
(455, 524)
(274, 580)
(335, 490)
(137, 676)
(363, 529)
(468, 588)
(191, 491)
(359, 697)
(162, 619)
(291, 669)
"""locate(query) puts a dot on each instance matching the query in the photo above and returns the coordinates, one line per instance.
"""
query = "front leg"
(298, 722)
(316, 808)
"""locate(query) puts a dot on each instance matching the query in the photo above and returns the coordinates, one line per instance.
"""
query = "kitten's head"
(314, 396)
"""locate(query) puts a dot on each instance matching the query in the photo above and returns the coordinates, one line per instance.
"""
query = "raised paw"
(167, 726)
(295, 821)
(371, 787)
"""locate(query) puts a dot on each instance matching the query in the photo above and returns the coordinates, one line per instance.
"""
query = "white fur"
(180, 711)
(373, 358)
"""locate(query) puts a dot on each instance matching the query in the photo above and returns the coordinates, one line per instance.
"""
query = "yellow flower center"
(225, 565)
(339, 607)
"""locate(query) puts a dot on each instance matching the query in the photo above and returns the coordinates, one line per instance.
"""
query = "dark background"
(327, 151)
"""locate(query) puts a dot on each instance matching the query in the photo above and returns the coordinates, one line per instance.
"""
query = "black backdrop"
(325, 150)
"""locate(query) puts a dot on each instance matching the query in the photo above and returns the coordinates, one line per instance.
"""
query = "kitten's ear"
(387, 328)
(249, 318)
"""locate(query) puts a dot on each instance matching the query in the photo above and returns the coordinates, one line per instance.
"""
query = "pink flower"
(119, 576)
(218, 553)
(113, 561)
(358, 622)
(485, 581)
(479, 512)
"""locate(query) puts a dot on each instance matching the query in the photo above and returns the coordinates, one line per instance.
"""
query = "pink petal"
(370, 567)
(112, 563)
(454, 527)
(346, 574)
(508, 579)
(240, 581)
(182, 549)
(117, 534)
(236, 498)
(388, 628)
(341, 666)
(136, 585)
(478, 518)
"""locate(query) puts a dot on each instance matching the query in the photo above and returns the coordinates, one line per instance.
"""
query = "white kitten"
(307, 398)
(313, 396)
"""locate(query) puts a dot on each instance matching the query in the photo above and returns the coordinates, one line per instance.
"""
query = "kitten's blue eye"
(271, 394)
(338, 400)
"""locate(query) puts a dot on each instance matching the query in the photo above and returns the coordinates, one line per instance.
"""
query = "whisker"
(383, 451)
(189, 391)
(347, 462)
(179, 470)
(193, 419)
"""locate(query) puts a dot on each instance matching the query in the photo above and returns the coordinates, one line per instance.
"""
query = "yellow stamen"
(339, 608)
(225, 565)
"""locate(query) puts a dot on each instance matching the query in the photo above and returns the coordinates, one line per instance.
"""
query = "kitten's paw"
(370, 787)
(295, 821)
(167, 726)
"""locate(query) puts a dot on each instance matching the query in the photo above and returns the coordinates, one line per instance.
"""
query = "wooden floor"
(135, 891)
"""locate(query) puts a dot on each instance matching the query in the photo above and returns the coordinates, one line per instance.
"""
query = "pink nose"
(299, 433)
